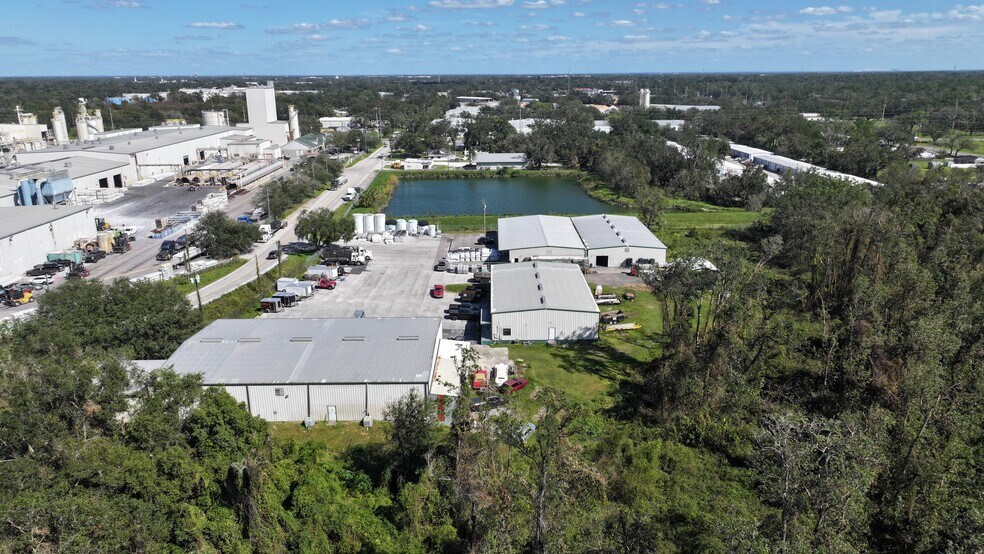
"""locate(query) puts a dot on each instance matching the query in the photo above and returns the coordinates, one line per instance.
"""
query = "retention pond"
(507, 195)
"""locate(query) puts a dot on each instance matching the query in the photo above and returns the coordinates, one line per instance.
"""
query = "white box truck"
(349, 194)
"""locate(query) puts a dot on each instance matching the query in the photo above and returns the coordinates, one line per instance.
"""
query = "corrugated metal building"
(539, 236)
(617, 240)
(326, 369)
(540, 301)
(486, 160)
(29, 233)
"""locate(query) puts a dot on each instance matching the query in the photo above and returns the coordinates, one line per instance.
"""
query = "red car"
(438, 291)
(514, 385)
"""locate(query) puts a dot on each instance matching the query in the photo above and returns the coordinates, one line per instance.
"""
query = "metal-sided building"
(326, 369)
(531, 237)
(542, 301)
(486, 160)
(29, 233)
(617, 240)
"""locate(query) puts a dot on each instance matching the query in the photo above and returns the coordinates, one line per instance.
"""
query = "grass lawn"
(340, 437)
(244, 302)
(587, 371)
(455, 288)
(212, 274)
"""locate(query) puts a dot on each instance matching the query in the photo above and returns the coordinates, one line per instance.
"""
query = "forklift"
(16, 297)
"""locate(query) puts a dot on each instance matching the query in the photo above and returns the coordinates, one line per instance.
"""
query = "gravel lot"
(396, 283)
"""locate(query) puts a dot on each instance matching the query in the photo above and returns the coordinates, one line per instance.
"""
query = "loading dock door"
(118, 181)
(332, 415)
(601, 261)
(552, 333)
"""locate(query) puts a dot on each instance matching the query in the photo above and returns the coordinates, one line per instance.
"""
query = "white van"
(349, 194)
(500, 374)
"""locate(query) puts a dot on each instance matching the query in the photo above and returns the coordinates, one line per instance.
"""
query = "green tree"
(322, 227)
(222, 237)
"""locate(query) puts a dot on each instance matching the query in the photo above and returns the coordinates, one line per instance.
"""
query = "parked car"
(482, 404)
(40, 281)
(514, 385)
(438, 291)
(94, 256)
(272, 255)
(40, 270)
(192, 188)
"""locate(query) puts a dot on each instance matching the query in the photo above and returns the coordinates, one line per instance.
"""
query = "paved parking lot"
(396, 283)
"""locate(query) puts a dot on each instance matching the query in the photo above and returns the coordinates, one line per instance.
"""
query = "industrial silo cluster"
(375, 228)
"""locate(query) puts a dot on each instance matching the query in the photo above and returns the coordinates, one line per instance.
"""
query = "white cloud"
(398, 17)
(622, 23)
(885, 15)
(711, 1)
(557, 38)
(541, 4)
(119, 4)
(471, 4)
(478, 23)
(537, 27)
(421, 28)
(825, 10)
(578, 14)
(635, 38)
(394, 51)
(967, 13)
(215, 25)
(305, 28)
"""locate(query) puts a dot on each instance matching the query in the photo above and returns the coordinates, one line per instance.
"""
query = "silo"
(401, 225)
(412, 227)
(369, 223)
(380, 224)
(96, 121)
(294, 122)
(360, 228)
(59, 126)
(212, 118)
(432, 230)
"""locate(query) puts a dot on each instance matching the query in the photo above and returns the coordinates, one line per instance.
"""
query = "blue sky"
(300, 37)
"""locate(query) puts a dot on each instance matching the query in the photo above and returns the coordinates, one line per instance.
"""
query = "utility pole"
(278, 260)
(187, 252)
(485, 229)
(257, 260)
(198, 293)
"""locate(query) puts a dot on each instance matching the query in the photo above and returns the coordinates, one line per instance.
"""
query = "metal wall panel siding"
(545, 252)
(292, 406)
(618, 254)
(239, 393)
(536, 324)
(349, 401)
(381, 395)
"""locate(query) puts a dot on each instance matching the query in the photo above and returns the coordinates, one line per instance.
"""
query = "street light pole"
(484, 227)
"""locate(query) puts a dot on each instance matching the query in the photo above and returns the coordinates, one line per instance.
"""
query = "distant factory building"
(149, 154)
(675, 124)
(325, 369)
(617, 240)
(25, 134)
(261, 112)
(305, 145)
(486, 160)
(29, 233)
(542, 301)
(685, 107)
(73, 179)
(335, 124)
(476, 101)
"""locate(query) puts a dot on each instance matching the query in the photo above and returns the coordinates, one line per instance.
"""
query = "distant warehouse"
(29, 233)
(603, 240)
(326, 369)
(486, 160)
(542, 301)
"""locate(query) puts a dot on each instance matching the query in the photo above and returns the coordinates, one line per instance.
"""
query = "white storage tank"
(401, 225)
(370, 226)
(412, 227)
(360, 228)
(432, 230)
(380, 223)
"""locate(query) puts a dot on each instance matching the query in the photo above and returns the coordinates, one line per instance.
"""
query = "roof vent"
(301, 339)
(543, 300)
(249, 339)
(353, 339)
(112, 147)
(539, 286)
(210, 340)
(408, 337)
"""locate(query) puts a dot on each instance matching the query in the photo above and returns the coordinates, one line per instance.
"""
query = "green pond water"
(513, 195)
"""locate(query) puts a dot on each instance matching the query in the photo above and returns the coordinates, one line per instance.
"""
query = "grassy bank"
(587, 371)
(377, 195)
(244, 302)
(210, 275)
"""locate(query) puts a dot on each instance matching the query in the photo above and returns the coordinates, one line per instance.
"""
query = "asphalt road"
(359, 175)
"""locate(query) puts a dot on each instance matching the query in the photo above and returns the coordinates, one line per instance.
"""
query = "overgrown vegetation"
(308, 179)
(185, 285)
(222, 237)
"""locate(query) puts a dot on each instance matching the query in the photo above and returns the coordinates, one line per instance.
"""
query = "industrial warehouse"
(603, 240)
(28, 233)
(325, 369)
(542, 301)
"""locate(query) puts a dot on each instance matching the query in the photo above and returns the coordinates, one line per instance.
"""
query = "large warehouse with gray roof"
(604, 240)
(326, 369)
(542, 301)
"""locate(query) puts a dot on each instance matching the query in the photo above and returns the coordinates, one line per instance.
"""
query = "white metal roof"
(785, 162)
(76, 166)
(17, 219)
(608, 231)
(685, 107)
(142, 141)
(487, 158)
(296, 351)
(748, 150)
(529, 286)
(532, 231)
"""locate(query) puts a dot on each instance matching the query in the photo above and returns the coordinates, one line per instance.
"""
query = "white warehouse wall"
(535, 325)
(29, 248)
